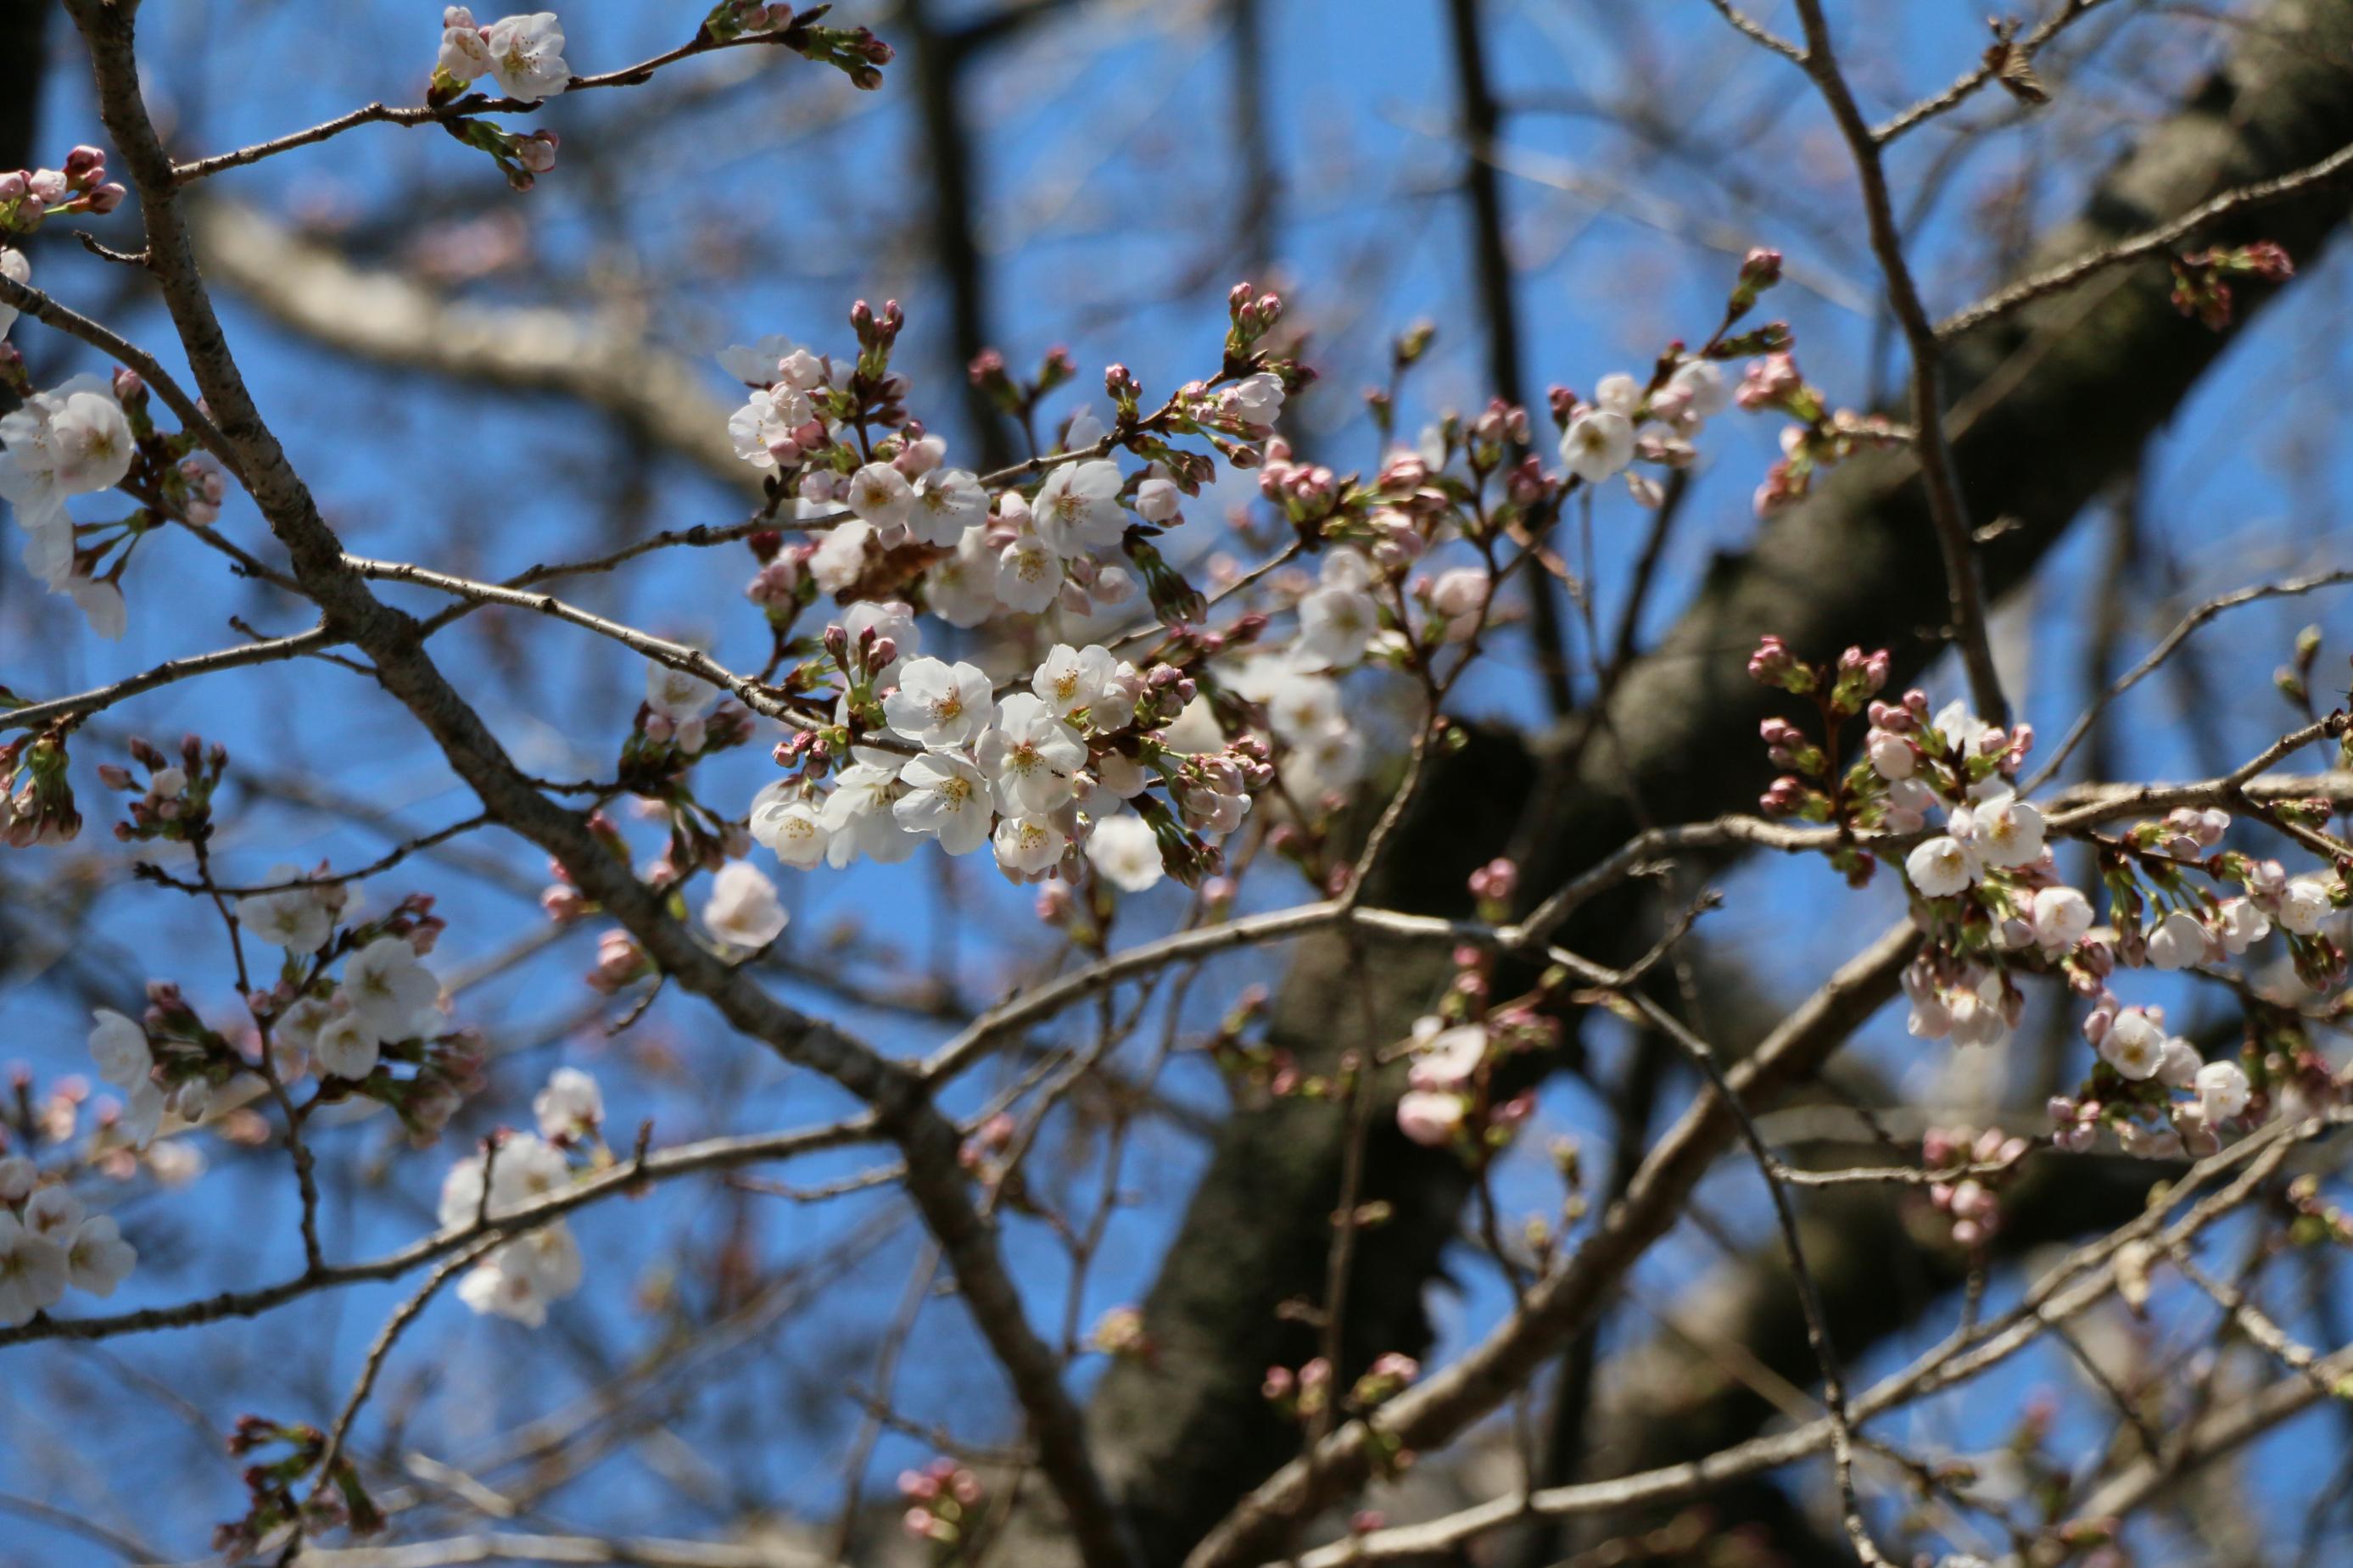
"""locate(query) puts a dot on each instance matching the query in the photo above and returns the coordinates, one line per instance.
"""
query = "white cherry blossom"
(2062, 917)
(1077, 510)
(961, 588)
(859, 816)
(391, 990)
(1702, 385)
(1126, 852)
(1074, 677)
(2134, 1044)
(2304, 904)
(1939, 866)
(946, 502)
(879, 496)
(571, 1107)
(53, 1212)
(939, 705)
(677, 695)
(295, 919)
(119, 1046)
(785, 820)
(1599, 443)
(949, 798)
(1335, 626)
(743, 908)
(97, 1258)
(32, 1272)
(2223, 1091)
(1029, 845)
(346, 1044)
(1029, 757)
(527, 56)
(17, 270)
(2239, 925)
(1029, 575)
(465, 53)
(2179, 941)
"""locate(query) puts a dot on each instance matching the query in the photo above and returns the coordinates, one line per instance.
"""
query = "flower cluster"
(47, 1243)
(1823, 436)
(87, 435)
(1304, 1394)
(2202, 278)
(1033, 772)
(2142, 1068)
(1990, 898)
(524, 54)
(520, 1278)
(75, 439)
(1972, 1201)
(173, 804)
(30, 196)
(1453, 1098)
(941, 1499)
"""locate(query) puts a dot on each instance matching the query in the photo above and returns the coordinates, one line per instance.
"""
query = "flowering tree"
(1001, 622)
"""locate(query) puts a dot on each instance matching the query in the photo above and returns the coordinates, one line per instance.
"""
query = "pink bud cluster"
(27, 196)
(940, 1497)
(1970, 1201)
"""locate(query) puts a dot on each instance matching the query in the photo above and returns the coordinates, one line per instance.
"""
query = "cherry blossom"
(1429, 1119)
(32, 1272)
(2222, 1090)
(2179, 941)
(345, 1044)
(2134, 1044)
(570, 1109)
(2005, 831)
(1073, 678)
(390, 990)
(1077, 509)
(784, 819)
(17, 270)
(120, 1048)
(1598, 443)
(53, 1212)
(1029, 757)
(2062, 917)
(860, 816)
(947, 502)
(73, 440)
(1940, 866)
(879, 496)
(465, 53)
(527, 56)
(1029, 846)
(939, 705)
(97, 1258)
(295, 919)
(743, 907)
(948, 799)
(1029, 575)
(2303, 905)
(1336, 622)
(962, 588)
(1125, 850)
